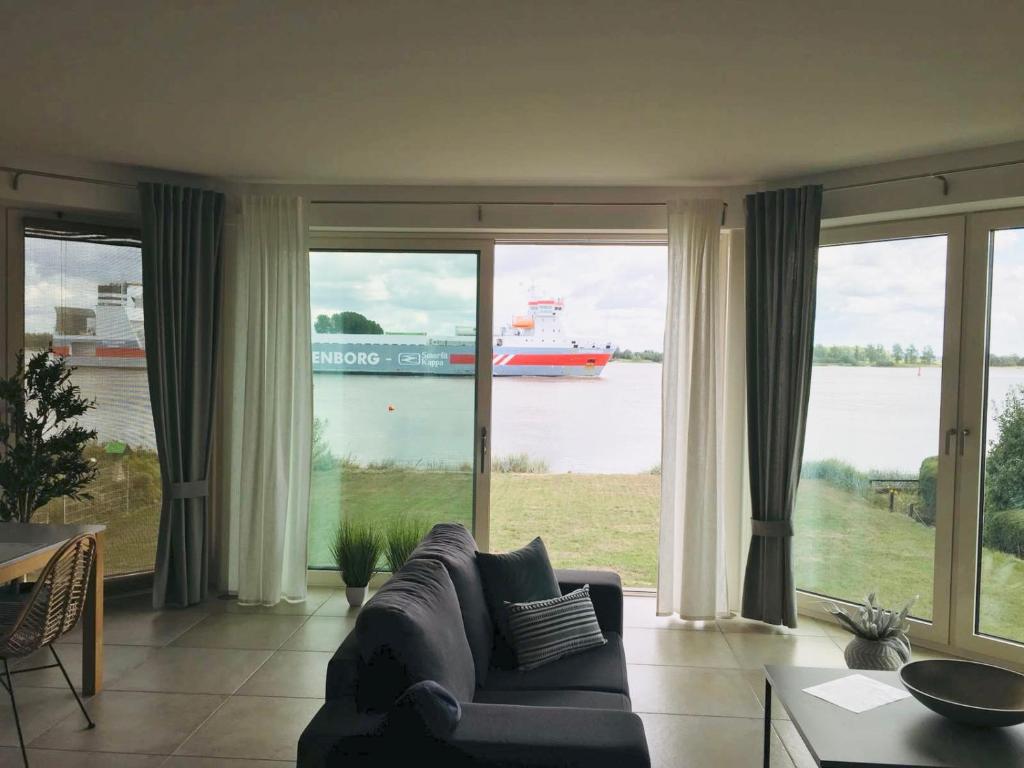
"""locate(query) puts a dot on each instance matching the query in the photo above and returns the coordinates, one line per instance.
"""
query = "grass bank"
(846, 544)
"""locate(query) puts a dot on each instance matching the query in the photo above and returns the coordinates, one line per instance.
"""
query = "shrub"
(403, 535)
(1004, 467)
(927, 489)
(1005, 531)
(519, 463)
(357, 549)
(322, 459)
(838, 473)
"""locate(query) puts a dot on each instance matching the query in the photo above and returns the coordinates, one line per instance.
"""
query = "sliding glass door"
(990, 536)
(399, 396)
(874, 505)
(913, 477)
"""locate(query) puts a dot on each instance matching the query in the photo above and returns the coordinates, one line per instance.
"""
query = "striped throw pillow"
(546, 630)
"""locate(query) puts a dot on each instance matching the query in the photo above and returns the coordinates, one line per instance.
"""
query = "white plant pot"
(356, 596)
(886, 655)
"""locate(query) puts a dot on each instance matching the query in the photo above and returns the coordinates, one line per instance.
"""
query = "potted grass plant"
(879, 634)
(402, 536)
(357, 549)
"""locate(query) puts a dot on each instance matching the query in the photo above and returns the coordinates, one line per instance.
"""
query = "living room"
(749, 281)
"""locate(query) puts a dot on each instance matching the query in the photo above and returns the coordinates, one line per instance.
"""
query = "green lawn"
(607, 521)
(845, 545)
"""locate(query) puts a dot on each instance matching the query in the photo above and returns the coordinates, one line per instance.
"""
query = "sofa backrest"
(454, 546)
(412, 630)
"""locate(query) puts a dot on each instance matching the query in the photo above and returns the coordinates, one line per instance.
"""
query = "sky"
(611, 293)
(893, 292)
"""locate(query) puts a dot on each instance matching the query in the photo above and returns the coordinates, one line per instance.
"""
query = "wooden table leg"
(92, 627)
(767, 723)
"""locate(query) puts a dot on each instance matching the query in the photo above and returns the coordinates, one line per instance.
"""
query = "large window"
(394, 389)
(83, 300)
(867, 504)
(576, 414)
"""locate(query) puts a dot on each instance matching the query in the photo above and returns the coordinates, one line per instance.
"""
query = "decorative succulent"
(872, 622)
(357, 549)
(403, 536)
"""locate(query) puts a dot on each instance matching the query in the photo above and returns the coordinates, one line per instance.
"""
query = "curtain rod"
(17, 173)
(939, 175)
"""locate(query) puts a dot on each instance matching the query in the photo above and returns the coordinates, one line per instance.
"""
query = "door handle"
(950, 434)
(483, 449)
(963, 439)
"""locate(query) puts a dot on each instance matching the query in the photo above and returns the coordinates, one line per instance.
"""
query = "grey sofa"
(430, 621)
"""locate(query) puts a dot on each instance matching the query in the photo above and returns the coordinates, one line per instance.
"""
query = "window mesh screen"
(83, 300)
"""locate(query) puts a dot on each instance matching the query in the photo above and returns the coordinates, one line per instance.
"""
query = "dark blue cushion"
(453, 545)
(426, 708)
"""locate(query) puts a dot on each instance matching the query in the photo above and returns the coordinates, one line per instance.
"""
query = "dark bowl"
(967, 691)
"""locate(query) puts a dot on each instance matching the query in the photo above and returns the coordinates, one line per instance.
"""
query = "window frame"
(12, 294)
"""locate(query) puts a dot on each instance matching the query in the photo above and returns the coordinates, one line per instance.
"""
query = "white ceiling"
(514, 92)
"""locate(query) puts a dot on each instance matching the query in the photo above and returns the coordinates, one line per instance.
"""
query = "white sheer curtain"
(692, 563)
(267, 419)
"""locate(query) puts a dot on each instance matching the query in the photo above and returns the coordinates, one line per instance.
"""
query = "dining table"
(25, 548)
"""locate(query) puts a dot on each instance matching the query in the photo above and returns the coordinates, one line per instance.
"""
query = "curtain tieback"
(772, 529)
(194, 489)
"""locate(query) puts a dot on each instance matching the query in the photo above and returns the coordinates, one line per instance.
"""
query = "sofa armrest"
(338, 734)
(605, 592)
(501, 735)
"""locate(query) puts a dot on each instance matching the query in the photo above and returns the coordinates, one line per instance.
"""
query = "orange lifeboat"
(522, 321)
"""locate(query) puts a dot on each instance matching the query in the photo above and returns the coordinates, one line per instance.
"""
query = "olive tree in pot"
(42, 443)
(879, 635)
(357, 549)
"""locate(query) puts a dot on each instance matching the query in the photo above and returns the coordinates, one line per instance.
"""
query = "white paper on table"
(857, 693)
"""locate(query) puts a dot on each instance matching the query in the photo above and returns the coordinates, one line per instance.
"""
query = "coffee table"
(904, 733)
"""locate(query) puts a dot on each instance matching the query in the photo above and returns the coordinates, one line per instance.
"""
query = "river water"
(874, 418)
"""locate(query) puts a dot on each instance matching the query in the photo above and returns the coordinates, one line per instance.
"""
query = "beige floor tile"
(798, 753)
(38, 708)
(56, 758)
(755, 679)
(253, 727)
(321, 633)
(315, 598)
(290, 673)
(691, 691)
(688, 649)
(754, 651)
(193, 670)
(180, 761)
(132, 621)
(129, 721)
(806, 627)
(641, 612)
(710, 742)
(337, 605)
(226, 630)
(117, 660)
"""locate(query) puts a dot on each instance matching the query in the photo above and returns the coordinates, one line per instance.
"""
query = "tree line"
(346, 322)
(874, 355)
(649, 355)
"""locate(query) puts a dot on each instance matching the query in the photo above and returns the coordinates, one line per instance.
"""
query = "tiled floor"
(219, 686)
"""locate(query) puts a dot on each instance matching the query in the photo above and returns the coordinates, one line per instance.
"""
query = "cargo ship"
(110, 335)
(534, 344)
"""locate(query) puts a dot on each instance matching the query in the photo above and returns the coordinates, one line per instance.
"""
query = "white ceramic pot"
(356, 596)
(886, 655)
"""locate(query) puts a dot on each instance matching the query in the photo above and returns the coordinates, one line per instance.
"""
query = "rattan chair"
(52, 608)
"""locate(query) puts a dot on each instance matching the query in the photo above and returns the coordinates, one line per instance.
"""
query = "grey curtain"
(782, 230)
(182, 244)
